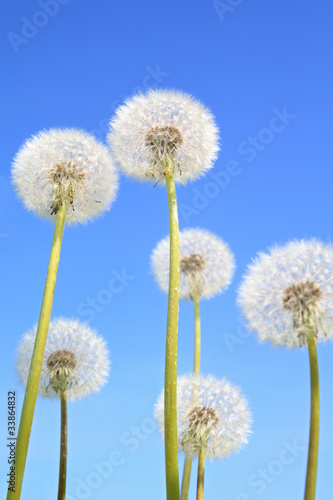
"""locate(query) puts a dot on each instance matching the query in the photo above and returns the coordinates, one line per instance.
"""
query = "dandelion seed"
(206, 264)
(212, 414)
(76, 360)
(163, 129)
(65, 166)
(289, 292)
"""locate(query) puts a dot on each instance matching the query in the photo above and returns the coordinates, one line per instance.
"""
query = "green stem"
(197, 334)
(196, 369)
(311, 474)
(30, 396)
(170, 381)
(201, 474)
(63, 447)
(186, 477)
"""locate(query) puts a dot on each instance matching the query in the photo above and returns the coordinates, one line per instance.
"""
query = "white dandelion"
(76, 360)
(66, 176)
(206, 267)
(163, 129)
(287, 298)
(289, 292)
(167, 137)
(211, 414)
(206, 264)
(65, 166)
(76, 363)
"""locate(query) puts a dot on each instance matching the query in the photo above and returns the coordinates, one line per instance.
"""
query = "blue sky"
(264, 70)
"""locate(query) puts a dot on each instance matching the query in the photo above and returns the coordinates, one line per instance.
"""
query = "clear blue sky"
(251, 64)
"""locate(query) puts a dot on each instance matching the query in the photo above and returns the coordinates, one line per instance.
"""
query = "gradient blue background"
(255, 58)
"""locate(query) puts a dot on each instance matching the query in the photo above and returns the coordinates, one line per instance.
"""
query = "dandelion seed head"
(163, 141)
(301, 295)
(206, 264)
(65, 166)
(201, 422)
(160, 130)
(288, 292)
(61, 369)
(211, 414)
(191, 264)
(76, 360)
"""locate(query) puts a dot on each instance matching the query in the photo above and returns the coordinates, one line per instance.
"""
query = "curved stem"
(197, 334)
(30, 396)
(63, 447)
(201, 474)
(311, 474)
(196, 369)
(170, 381)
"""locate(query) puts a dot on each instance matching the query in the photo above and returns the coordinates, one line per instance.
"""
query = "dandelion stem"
(201, 474)
(170, 381)
(311, 474)
(197, 334)
(30, 396)
(196, 369)
(186, 477)
(63, 447)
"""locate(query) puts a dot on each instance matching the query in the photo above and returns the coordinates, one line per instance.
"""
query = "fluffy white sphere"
(211, 414)
(288, 291)
(205, 261)
(73, 351)
(163, 126)
(65, 165)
